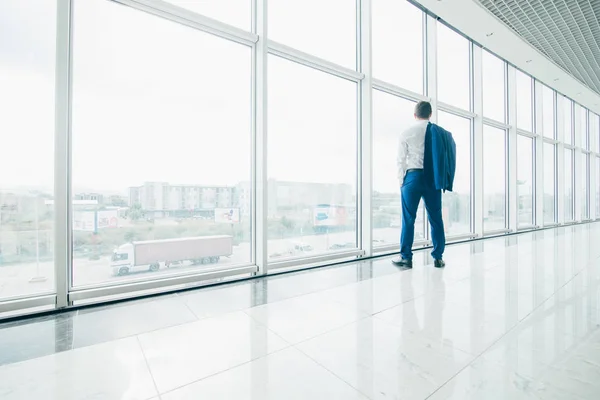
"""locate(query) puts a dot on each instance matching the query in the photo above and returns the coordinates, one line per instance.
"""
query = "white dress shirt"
(412, 148)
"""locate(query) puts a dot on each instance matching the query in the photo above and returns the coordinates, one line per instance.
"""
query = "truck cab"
(122, 259)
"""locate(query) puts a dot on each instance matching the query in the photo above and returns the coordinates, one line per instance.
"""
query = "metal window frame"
(572, 181)
(364, 228)
(506, 228)
(534, 199)
(257, 38)
(62, 157)
(260, 101)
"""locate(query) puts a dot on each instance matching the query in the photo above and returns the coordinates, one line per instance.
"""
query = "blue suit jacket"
(439, 162)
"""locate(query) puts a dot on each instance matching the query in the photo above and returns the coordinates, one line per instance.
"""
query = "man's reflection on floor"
(432, 306)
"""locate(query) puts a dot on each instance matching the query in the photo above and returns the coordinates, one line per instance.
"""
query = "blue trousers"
(413, 189)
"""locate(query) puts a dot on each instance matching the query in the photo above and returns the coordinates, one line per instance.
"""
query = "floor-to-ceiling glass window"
(495, 154)
(454, 88)
(524, 102)
(569, 187)
(456, 207)
(548, 114)
(582, 167)
(397, 36)
(525, 181)
(568, 121)
(597, 187)
(307, 26)
(161, 147)
(494, 87)
(494, 178)
(595, 131)
(27, 65)
(233, 12)
(312, 161)
(391, 115)
(453, 68)
(585, 186)
(549, 173)
(594, 122)
(568, 174)
(525, 151)
(548, 131)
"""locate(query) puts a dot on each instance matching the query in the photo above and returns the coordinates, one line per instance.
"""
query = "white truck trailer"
(153, 255)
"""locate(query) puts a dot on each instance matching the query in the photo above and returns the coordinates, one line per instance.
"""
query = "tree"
(287, 224)
(135, 212)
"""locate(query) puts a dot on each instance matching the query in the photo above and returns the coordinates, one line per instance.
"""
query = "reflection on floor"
(509, 318)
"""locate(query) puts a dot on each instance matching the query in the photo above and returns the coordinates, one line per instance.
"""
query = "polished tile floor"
(508, 318)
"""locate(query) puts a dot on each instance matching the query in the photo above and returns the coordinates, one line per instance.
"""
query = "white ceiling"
(478, 23)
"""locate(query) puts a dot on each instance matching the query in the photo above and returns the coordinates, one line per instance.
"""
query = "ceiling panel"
(565, 31)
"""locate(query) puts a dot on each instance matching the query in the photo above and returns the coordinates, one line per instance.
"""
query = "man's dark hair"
(423, 110)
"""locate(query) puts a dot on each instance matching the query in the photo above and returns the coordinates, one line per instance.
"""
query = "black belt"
(413, 170)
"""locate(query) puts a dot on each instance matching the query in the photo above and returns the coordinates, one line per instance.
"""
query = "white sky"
(158, 101)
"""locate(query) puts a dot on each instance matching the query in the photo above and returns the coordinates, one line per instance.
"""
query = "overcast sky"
(157, 101)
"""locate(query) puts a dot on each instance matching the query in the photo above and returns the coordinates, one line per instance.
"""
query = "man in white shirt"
(414, 186)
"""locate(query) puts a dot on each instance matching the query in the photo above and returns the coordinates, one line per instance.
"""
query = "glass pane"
(595, 131)
(597, 187)
(568, 120)
(456, 207)
(391, 115)
(453, 68)
(311, 160)
(159, 188)
(549, 183)
(568, 176)
(397, 37)
(494, 179)
(494, 87)
(27, 60)
(548, 114)
(581, 131)
(326, 29)
(233, 12)
(525, 180)
(583, 190)
(524, 102)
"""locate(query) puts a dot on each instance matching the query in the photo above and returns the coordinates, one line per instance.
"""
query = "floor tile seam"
(185, 303)
(474, 360)
(376, 314)
(135, 335)
(331, 300)
(479, 356)
(312, 292)
(327, 331)
(330, 371)
(139, 343)
(223, 371)
(129, 336)
(265, 326)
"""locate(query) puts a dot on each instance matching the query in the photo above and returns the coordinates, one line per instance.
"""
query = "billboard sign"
(227, 215)
(84, 221)
(326, 215)
(91, 221)
(107, 219)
